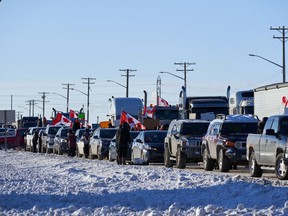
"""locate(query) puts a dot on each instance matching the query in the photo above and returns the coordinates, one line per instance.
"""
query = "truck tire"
(167, 161)
(281, 169)
(254, 169)
(208, 163)
(223, 162)
(180, 159)
(91, 156)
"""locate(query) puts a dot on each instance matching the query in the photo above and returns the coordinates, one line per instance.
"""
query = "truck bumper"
(236, 155)
(193, 153)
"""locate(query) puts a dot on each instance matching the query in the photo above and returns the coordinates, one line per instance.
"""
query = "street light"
(67, 106)
(253, 55)
(163, 72)
(119, 85)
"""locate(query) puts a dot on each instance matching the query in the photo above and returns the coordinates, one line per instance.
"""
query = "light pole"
(164, 72)
(119, 85)
(67, 106)
(253, 55)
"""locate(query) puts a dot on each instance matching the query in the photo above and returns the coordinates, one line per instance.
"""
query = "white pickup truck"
(269, 149)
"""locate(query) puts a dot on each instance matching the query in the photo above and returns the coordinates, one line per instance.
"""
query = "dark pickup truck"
(269, 149)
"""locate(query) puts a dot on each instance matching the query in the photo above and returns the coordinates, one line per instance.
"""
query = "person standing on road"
(71, 143)
(86, 140)
(35, 140)
(122, 141)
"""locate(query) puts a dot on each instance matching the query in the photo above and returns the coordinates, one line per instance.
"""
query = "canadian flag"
(72, 114)
(162, 102)
(61, 120)
(134, 123)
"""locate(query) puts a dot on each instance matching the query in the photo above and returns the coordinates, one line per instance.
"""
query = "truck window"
(284, 127)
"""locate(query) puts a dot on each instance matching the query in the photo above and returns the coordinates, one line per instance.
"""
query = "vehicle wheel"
(91, 156)
(208, 163)
(254, 168)
(223, 162)
(100, 156)
(167, 160)
(281, 169)
(180, 159)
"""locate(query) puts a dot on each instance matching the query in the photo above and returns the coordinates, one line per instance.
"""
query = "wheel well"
(250, 151)
(278, 151)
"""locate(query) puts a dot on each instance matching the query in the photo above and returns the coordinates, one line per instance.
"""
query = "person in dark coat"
(261, 125)
(71, 143)
(86, 140)
(122, 141)
(35, 140)
(76, 125)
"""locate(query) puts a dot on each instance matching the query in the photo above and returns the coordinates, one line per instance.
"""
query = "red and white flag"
(60, 119)
(133, 122)
(162, 102)
(72, 114)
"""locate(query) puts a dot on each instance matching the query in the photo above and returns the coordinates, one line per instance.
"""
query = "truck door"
(213, 139)
(268, 143)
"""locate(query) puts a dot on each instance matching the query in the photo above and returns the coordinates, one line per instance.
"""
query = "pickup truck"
(269, 149)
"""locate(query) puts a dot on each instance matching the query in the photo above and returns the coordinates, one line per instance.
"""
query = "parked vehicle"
(112, 155)
(99, 142)
(225, 141)
(9, 135)
(29, 137)
(269, 150)
(27, 121)
(271, 100)
(80, 142)
(183, 142)
(48, 138)
(242, 102)
(61, 141)
(132, 106)
(148, 147)
(202, 107)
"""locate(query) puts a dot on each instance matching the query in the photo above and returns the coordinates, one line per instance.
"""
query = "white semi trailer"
(132, 106)
(271, 100)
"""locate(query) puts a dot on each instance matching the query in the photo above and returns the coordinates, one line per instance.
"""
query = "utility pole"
(185, 64)
(43, 108)
(283, 31)
(158, 90)
(68, 89)
(31, 104)
(88, 91)
(127, 78)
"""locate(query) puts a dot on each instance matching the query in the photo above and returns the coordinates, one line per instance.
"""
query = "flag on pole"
(133, 122)
(60, 119)
(162, 102)
(72, 114)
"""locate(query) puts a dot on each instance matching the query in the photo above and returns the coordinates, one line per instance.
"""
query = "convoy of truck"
(230, 122)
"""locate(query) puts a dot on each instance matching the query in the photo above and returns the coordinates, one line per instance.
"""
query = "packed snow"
(47, 184)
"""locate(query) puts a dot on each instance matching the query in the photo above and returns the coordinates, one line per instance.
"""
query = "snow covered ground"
(41, 184)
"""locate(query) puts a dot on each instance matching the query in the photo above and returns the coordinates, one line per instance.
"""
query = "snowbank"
(59, 185)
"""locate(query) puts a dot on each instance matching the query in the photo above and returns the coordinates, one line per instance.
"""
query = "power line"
(128, 75)
(283, 38)
(88, 93)
(185, 64)
(68, 90)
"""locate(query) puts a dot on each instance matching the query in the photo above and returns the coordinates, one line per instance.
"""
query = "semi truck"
(131, 105)
(202, 107)
(271, 100)
(242, 102)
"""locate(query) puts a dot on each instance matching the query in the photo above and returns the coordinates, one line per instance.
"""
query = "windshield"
(107, 134)
(64, 133)
(236, 128)
(53, 130)
(166, 114)
(155, 137)
(195, 129)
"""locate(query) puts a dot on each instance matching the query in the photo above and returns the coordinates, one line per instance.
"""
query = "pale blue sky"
(44, 43)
